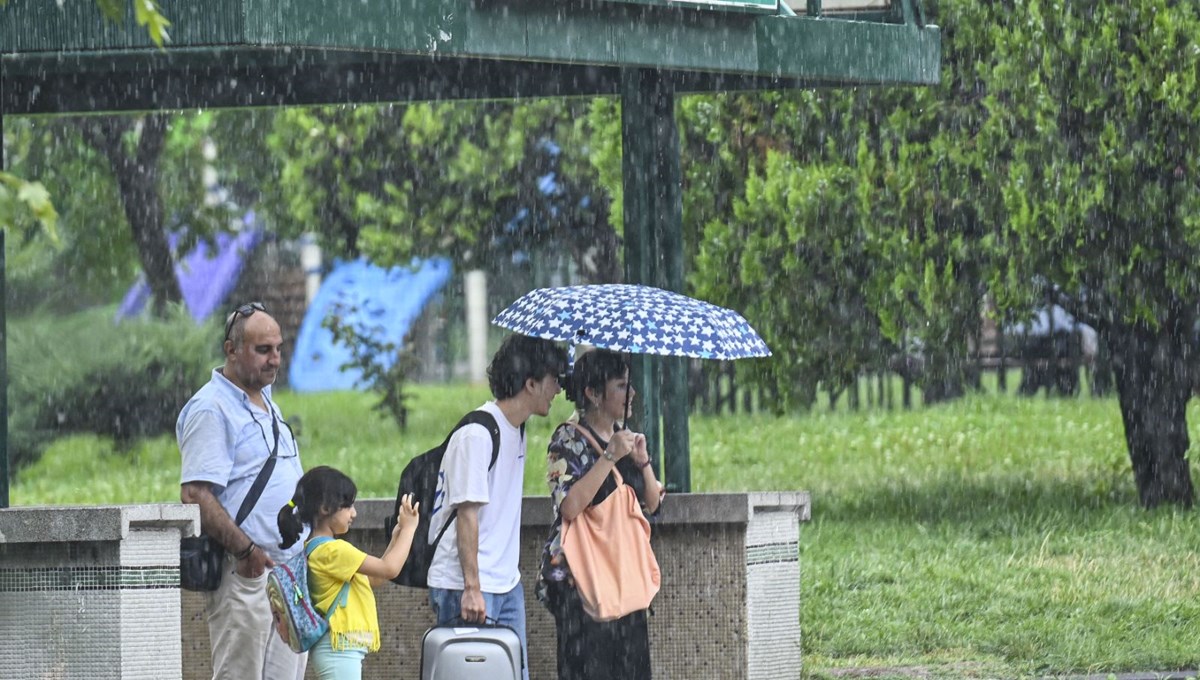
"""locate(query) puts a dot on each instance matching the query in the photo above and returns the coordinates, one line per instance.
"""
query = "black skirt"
(594, 650)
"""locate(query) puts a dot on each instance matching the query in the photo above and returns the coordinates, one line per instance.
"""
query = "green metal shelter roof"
(271, 52)
(59, 57)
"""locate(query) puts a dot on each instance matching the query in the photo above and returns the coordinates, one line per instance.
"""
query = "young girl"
(324, 500)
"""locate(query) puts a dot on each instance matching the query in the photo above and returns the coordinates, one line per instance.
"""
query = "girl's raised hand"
(407, 517)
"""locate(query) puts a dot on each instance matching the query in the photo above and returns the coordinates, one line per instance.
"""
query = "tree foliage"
(1103, 197)
(1059, 150)
(117, 185)
(384, 364)
(468, 181)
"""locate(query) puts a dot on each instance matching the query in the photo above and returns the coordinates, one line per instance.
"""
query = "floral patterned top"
(568, 458)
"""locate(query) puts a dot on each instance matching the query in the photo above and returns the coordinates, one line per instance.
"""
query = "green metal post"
(4, 501)
(654, 254)
(637, 170)
(669, 225)
(3, 330)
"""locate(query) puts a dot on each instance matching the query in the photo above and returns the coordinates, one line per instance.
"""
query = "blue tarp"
(390, 299)
(206, 275)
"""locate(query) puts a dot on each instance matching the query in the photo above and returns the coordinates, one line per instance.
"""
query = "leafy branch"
(147, 13)
(385, 366)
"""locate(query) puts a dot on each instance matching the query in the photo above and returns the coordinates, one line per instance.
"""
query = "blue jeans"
(506, 608)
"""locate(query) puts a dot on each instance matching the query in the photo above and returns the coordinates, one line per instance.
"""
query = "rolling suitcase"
(471, 651)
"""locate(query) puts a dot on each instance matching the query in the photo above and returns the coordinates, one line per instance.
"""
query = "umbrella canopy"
(634, 319)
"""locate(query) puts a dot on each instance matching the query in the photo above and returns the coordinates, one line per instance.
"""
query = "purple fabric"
(206, 275)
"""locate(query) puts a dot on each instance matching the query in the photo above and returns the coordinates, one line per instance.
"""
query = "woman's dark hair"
(594, 369)
(321, 491)
(520, 358)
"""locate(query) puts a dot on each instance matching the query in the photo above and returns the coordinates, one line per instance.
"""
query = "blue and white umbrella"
(633, 319)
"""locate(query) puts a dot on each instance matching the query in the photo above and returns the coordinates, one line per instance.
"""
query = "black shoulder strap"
(486, 419)
(477, 417)
(260, 482)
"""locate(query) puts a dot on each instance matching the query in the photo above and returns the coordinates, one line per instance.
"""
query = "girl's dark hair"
(321, 491)
(594, 369)
(520, 358)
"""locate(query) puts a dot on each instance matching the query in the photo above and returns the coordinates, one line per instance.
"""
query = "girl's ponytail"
(290, 524)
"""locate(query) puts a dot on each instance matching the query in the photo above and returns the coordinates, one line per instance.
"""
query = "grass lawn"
(993, 537)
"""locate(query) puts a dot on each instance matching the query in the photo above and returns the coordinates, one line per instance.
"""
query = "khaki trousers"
(241, 629)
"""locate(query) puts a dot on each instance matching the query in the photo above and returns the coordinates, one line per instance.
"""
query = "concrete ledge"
(55, 524)
(679, 508)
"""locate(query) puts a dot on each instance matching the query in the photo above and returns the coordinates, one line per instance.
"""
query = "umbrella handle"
(575, 340)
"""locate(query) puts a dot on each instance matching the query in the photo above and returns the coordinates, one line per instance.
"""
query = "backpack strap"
(314, 543)
(340, 600)
(344, 593)
(476, 417)
(486, 419)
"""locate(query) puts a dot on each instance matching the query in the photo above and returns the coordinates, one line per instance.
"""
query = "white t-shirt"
(464, 478)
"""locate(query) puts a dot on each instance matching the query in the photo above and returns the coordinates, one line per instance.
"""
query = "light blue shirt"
(225, 439)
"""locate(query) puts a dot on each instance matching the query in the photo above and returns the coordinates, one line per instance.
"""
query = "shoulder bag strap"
(260, 482)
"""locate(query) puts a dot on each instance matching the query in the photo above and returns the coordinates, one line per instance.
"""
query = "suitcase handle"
(488, 622)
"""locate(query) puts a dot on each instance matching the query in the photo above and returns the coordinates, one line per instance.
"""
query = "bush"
(85, 373)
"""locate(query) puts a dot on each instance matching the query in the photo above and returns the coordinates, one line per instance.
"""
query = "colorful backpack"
(297, 620)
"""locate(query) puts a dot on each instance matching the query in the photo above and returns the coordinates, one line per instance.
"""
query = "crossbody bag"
(200, 557)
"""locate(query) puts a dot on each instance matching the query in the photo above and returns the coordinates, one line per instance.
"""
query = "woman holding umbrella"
(579, 476)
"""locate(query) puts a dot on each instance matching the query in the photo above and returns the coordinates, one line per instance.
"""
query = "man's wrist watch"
(608, 456)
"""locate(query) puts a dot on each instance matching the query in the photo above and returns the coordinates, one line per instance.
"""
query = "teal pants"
(331, 664)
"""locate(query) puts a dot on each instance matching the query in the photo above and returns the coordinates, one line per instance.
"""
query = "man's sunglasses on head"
(247, 310)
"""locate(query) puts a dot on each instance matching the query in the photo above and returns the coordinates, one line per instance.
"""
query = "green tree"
(1059, 150)
(872, 218)
(928, 161)
(118, 184)
(26, 206)
(1103, 197)
(81, 264)
(395, 182)
(132, 147)
(21, 198)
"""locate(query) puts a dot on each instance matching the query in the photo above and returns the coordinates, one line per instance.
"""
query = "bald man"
(230, 433)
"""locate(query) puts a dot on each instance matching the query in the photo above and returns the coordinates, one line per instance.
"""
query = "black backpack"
(420, 478)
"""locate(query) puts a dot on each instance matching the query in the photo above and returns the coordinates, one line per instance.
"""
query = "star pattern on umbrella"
(636, 319)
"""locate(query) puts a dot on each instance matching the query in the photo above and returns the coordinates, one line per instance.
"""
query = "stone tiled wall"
(92, 592)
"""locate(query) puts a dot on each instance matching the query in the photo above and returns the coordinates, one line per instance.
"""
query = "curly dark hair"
(321, 491)
(520, 358)
(594, 369)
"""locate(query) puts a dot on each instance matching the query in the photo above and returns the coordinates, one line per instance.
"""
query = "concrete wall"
(729, 606)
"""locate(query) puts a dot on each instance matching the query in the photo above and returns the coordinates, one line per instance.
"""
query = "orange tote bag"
(608, 550)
